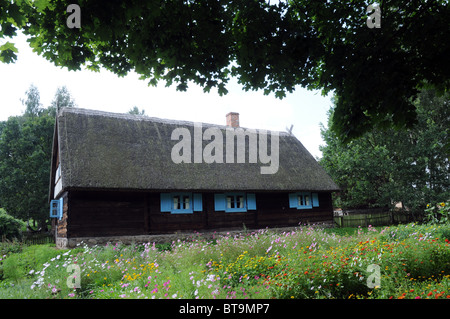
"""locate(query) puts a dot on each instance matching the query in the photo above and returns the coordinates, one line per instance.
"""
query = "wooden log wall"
(138, 213)
(106, 214)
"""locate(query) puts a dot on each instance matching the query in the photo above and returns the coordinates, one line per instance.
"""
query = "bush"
(10, 228)
(18, 266)
(438, 214)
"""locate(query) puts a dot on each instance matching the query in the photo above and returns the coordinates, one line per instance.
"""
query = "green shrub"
(18, 266)
(10, 228)
(438, 213)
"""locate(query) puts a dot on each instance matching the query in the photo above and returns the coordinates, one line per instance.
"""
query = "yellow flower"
(442, 204)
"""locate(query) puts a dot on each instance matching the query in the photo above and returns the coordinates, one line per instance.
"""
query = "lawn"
(408, 261)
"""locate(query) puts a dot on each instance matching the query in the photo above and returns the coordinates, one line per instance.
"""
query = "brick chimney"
(233, 119)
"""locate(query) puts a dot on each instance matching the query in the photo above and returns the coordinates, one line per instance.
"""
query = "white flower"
(196, 292)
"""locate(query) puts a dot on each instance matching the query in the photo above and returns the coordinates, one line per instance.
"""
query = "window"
(303, 200)
(234, 202)
(181, 203)
(56, 208)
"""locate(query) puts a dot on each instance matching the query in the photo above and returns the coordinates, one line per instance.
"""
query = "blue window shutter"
(251, 201)
(293, 202)
(315, 199)
(198, 204)
(60, 208)
(219, 202)
(166, 202)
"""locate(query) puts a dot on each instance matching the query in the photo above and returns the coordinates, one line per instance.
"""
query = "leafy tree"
(135, 111)
(387, 166)
(62, 98)
(10, 228)
(32, 102)
(13, 16)
(25, 153)
(272, 46)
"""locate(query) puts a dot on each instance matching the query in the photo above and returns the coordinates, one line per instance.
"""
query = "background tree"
(62, 98)
(25, 154)
(32, 102)
(384, 167)
(272, 46)
(135, 111)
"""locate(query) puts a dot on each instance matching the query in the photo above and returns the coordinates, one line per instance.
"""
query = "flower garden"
(403, 262)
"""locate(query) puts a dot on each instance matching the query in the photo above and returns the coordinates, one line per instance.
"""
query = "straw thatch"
(99, 150)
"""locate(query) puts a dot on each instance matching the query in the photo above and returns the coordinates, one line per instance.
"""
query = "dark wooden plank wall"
(106, 214)
(167, 222)
(133, 213)
(274, 211)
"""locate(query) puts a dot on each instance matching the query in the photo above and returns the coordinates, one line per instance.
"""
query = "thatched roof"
(120, 151)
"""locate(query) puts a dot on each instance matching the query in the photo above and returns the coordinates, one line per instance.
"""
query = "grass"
(408, 261)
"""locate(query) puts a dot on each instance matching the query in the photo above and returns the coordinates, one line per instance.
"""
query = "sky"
(105, 91)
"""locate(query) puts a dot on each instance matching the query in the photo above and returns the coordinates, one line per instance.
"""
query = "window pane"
(300, 200)
(307, 202)
(231, 202)
(186, 202)
(176, 202)
(228, 202)
(240, 201)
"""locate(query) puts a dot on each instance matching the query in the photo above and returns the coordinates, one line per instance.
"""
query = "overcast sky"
(105, 91)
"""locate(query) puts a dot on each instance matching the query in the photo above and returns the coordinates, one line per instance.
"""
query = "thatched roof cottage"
(119, 175)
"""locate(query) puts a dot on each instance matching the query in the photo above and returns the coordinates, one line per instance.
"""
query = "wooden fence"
(374, 219)
(37, 238)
